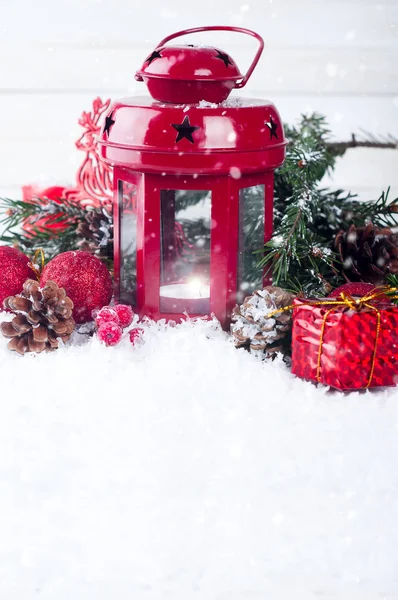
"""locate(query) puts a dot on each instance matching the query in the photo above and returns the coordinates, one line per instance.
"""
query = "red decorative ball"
(106, 315)
(84, 277)
(353, 289)
(135, 335)
(14, 271)
(125, 314)
(110, 333)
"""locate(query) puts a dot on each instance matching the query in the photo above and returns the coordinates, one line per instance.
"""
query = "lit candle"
(192, 297)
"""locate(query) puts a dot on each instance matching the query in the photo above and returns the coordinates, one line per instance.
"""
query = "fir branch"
(31, 224)
(296, 255)
(392, 280)
(17, 211)
(389, 143)
(381, 212)
(300, 253)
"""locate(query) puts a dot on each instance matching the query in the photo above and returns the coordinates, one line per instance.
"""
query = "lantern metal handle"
(244, 80)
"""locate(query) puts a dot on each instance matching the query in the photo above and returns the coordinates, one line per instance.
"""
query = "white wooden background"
(339, 57)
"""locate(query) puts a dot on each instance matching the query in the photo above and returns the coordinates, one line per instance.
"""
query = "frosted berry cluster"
(110, 322)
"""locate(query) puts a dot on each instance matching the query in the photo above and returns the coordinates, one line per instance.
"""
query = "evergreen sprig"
(300, 254)
(296, 254)
(392, 280)
(382, 212)
(32, 224)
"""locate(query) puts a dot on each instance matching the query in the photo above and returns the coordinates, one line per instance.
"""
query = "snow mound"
(185, 469)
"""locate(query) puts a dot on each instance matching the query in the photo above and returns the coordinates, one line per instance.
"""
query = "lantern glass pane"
(251, 239)
(128, 241)
(185, 251)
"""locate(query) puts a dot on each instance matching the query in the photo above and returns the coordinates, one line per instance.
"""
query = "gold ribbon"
(353, 304)
(33, 263)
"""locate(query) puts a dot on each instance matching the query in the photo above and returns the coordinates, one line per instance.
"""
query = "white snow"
(185, 469)
(235, 172)
(205, 104)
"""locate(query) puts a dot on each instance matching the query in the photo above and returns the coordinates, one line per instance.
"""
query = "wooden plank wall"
(338, 57)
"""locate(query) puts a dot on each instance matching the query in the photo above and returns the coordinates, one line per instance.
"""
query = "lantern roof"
(143, 131)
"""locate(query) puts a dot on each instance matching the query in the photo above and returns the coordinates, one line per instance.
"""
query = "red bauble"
(14, 271)
(84, 277)
(358, 290)
(353, 289)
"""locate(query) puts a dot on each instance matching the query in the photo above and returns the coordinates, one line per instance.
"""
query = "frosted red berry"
(110, 333)
(106, 315)
(125, 314)
(136, 335)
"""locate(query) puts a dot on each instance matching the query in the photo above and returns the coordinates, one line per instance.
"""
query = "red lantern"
(193, 183)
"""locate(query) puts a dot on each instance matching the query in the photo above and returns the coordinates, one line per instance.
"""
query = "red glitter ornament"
(358, 289)
(84, 277)
(14, 271)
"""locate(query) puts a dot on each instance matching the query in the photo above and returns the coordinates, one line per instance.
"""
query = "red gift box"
(345, 348)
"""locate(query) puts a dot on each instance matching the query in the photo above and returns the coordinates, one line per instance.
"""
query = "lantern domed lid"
(156, 137)
(190, 63)
(189, 73)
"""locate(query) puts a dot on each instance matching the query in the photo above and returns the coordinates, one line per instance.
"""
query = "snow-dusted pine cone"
(254, 330)
(43, 317)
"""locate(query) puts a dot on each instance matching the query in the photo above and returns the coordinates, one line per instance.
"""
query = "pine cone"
(95, 233)
(367, 253)
(43, 316)
(86, 246)
(254, 331)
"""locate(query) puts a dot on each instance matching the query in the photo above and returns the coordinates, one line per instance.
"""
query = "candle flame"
(198, 287)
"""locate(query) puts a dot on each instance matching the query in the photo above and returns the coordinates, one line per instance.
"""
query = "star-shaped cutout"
(225, 58)
(155, 54)
(185, 130)
(109, 122)
(272, 128)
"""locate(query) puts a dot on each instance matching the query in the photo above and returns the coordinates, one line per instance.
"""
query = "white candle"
(192, 297)
(185, 291)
